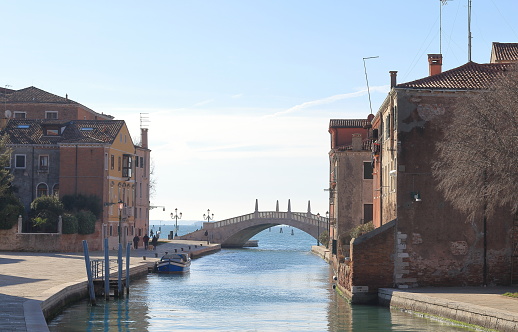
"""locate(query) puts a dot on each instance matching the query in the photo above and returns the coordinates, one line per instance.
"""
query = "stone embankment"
(483, 307)
(36, 286)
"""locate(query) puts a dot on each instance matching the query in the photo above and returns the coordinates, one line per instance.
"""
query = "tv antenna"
(443, 2)
(367, 80)
(469, 31)
(144, 120)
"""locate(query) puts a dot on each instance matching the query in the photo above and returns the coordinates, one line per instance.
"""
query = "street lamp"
(176, 217)
(208, 216)
(328, 229)
(318, 229)
(121, 206)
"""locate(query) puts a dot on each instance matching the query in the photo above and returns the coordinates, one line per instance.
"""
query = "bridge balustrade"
(302, 217)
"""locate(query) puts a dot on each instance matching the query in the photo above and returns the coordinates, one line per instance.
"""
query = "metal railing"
(97, 267)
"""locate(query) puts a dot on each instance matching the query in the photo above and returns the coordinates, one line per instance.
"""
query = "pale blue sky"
(239, 93)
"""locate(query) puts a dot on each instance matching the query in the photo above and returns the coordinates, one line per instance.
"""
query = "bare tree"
(477, 168)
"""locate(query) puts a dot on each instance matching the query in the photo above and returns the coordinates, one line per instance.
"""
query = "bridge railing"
(299, 216)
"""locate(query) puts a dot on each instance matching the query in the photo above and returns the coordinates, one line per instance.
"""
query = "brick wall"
(371, 261)
(47, 242)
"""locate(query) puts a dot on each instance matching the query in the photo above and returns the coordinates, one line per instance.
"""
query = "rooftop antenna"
(469, 31)
(367, 80)
(443, 2)
(144, 120)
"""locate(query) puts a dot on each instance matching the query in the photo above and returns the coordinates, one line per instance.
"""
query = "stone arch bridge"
(235, 232)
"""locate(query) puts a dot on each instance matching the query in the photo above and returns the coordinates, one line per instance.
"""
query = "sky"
(238, 94)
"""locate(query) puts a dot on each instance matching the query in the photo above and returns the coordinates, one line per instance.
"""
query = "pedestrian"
(154, 242)
(145, 239)
(136, 240)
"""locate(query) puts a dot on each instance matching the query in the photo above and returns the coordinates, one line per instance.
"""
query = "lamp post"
(208, 216)
(121, 206)
(176, 217)
(318, 229)
(328, 230)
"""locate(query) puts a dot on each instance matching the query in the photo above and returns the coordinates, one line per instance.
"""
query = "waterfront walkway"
(32, 284)
(481, 306)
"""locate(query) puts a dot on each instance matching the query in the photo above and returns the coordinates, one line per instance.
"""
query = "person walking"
(154, 242)
(145, 239)
(136, 240)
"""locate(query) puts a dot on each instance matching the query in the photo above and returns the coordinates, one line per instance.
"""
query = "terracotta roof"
(504, 52)
(38, 96)
(24, 131)
(347, 123)
(35, 95)
(470, 76)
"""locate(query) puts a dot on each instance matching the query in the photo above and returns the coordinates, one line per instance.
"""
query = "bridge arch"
(235, 232)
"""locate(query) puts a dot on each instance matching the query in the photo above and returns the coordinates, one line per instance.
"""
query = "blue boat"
(173, 263)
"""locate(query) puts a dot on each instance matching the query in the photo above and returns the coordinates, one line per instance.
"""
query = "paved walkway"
(481, 306)
(27, 280)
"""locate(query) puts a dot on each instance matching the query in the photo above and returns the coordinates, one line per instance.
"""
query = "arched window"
(55, 190)
(42, 190)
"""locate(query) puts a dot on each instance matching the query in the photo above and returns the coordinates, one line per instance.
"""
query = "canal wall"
(61, 296)
(471, 313)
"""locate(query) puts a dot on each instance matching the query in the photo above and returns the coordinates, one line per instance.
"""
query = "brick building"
(62, 147)
(421, 240)
(350, 179)
(34, 103)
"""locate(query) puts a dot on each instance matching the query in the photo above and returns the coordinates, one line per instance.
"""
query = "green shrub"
(9, 215)
(70, 224)
(86, 222)
(324, 238)
(44, 214)
(361, 229)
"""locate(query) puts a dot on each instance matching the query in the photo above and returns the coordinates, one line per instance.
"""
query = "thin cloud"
(327, 100)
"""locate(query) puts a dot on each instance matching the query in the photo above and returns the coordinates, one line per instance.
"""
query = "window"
(55, 190)
(112, 162)
(127, 165)
(19, 161)
(119, 164)
(42, 190)
(51, 115)
(20, 115)
(43, 164)
(51, 132)
(111, 230)
(387, 127)
(105, 161)
(136, 161)
(367, 213)
(367, 170)
(141, 162)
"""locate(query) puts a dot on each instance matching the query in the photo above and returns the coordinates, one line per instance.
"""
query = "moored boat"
(173, 263)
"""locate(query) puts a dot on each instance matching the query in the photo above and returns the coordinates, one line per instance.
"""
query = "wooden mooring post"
(127, 283)
(91, 290)
(106, 270)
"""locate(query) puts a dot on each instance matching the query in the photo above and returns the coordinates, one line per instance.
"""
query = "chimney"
(393, 78)
(357, 142)
(143, 138)
(435, 63)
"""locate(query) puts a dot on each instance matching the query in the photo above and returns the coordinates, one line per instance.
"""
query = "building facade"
(421, 240)
(61, 147)
(350, 179)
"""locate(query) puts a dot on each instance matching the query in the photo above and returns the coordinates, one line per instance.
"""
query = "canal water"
(278, 286)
